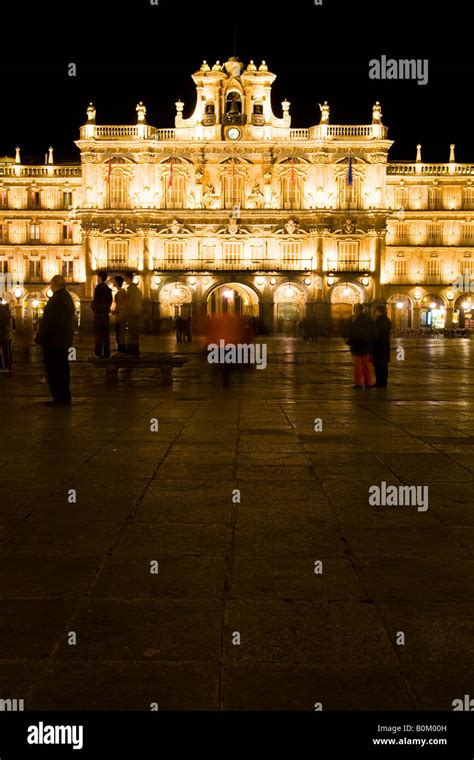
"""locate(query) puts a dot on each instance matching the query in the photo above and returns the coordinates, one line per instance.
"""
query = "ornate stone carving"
(255, 199)
(118, 226)
(233, 226)
(175, 226)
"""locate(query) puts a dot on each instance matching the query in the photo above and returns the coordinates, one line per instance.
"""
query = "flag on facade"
(109, 171)
(292, 177)
(170, 180)
(350, 177)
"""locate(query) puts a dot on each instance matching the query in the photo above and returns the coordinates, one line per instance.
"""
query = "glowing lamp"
(289, 291)
(273, 281)
(260, 280)
(433, 305)
(49, 292)
(365, 281)
(18, 292)
(192, 280)
(228, 293)
(35, 303)
(465, 304)
(175, 292)
(307, 280)
(346, 292)
(400, 304)
(450, 295)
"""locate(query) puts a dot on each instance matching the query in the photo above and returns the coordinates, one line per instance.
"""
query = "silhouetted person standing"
(381, 347)
(55, 335)
(101, 306)
(7, 325)
(134, 309)
(120, 314)
(361, 338)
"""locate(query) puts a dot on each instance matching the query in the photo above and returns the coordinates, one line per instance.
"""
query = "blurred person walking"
(360, 340)
(55, 335)
(101, 306)
(120, 314)
(7, 326)
(134, 305)
(381, 347)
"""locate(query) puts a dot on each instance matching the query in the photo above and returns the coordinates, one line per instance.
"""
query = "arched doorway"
(463, 314)
(233, 298)
(399, 310)
(175, 300)
(33, 307)
(289, 300)
(344, 296)
(433, 312)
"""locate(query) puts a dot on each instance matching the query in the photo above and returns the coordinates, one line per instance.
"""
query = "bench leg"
(111, 374)
(166, 375)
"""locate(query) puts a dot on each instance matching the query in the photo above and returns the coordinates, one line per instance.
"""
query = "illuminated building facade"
(233, 209)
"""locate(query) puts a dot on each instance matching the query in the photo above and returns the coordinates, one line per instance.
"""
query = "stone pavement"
(227, 568)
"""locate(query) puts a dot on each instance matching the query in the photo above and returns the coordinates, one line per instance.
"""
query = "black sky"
(131, 51)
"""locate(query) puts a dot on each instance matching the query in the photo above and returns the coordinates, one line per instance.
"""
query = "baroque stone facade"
(233, 209)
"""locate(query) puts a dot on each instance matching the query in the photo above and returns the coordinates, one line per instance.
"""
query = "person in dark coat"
(55, 335)
(381, 347)
(101, 306)
(360, 339)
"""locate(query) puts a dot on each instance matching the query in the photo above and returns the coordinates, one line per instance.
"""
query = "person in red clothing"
(361, 337)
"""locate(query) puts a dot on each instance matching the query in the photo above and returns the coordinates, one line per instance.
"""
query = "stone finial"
(50, 155)
(418, 152)
(17, 155)
(285, 104)
(451, 153)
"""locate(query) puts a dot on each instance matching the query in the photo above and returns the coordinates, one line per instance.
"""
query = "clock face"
(233, 133)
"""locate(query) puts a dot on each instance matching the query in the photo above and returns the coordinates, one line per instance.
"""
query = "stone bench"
(164, 362)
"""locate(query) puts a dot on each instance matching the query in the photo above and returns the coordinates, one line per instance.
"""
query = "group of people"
(183, 329)
(369, 343)
(127, 312)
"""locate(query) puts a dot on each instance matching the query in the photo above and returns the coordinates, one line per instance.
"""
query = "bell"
(234, 109)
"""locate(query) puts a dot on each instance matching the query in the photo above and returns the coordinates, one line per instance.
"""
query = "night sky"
(126, 52)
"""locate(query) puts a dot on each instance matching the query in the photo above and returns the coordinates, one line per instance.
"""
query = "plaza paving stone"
(230, 568)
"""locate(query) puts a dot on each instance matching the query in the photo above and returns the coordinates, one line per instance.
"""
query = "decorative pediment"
(291, 228)
(349, 228)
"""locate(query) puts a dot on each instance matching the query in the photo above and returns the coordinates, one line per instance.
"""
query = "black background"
(131, 51)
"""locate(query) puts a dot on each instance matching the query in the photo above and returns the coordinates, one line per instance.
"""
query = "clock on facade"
(233, 133)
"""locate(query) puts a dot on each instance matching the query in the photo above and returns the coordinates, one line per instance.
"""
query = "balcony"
(359, 266)
(226, 265)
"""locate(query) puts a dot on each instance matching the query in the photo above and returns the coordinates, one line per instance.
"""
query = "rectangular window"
(232, 254)
(35, 269)
(68, 269)
(348, 255)
(400, 267)
(34, 233)
(208, 254)
(3, 232)
(67, 199)
(67, 233)
(118, 254)
(3, 266)
(468, 233)
(434, 234)
(466, 266)
(175, 193)
(233, 191)
(119, 191)
(174, 253)
(401, 198)
(34, 199)
(290, 254)
(433, 268)
(434, 198)
(349, 195)
(3, 199)
(291, 192)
